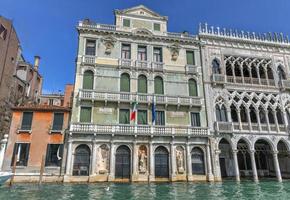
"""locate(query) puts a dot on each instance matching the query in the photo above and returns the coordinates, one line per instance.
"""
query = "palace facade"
(152, 105)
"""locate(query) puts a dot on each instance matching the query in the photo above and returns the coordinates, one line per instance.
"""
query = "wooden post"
(41, 170)
(13, 170)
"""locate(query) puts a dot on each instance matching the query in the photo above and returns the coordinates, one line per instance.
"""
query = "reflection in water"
(226, 190)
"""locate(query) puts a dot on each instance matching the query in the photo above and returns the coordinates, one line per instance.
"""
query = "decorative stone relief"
(142, 155)
(180, 159)
(109, 43)
(103, 161)
(174, 48)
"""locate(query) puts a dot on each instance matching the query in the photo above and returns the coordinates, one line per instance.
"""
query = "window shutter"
(190, 57)
(192, 87)
(142, 84)
(142, 117)
(26, 120)
(88, 80)
(158, 85)
(85, 115)
(26, 147)
(160, 119)
(126, 22)
(124, 115)
(57, 121)
(195, 119)
(125, 83)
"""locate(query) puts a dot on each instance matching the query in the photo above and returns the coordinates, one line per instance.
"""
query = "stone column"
(94, 158)
(217, 175)
(173, 161)
(276, 165)
(152, 173)
(237, 170)
(188, 161)
(276, 120)
(285, 120)
(267, 120)
(229, 115)
(249, 119)
(254, 168)
(69, 158)
(209, 168)
(112, 163)
(135, 161)
(258, 119)
(239, 119)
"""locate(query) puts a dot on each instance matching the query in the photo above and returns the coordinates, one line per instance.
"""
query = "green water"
(226, 190)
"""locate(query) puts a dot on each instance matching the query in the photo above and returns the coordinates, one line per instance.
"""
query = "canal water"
(167, 191)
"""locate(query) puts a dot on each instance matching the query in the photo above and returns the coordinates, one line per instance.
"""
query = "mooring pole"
(13, 170)
(41, 170)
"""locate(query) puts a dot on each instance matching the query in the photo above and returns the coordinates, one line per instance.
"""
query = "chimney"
(36, 62)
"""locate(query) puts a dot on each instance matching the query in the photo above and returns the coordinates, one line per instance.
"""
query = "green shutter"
(190, 57)
(124, 115)
(125, 83)
(88, 80)
(142, 84)
(158, 85)
(57, 121)
(192, 86)
(126, 22)
(142, 117)
(85, 115)
(156, 27)
(26, 120)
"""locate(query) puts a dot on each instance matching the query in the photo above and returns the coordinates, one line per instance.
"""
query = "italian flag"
(134, 112)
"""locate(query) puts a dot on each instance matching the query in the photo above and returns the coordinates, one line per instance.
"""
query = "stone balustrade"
(140, 98)
(138, 129)
(191, 69)
(286, 84)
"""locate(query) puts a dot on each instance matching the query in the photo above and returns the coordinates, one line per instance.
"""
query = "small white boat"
(4, 176)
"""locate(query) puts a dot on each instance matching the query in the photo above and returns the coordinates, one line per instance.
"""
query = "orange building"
(36, 134)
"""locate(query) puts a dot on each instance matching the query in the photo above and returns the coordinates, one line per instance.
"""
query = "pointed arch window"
(279, 116)
(125, 83)
(271, 116)
(262, 116)
(243, 113)
(253, 115)
(158, 85)
(192, 86)
(142, 84)
(221, 113)
(216, 66)
(234, 114)
(88, 80)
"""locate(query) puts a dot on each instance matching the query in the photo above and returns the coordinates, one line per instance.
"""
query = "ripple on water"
(168, 191)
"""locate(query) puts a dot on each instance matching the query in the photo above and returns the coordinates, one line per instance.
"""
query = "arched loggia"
(226, 159)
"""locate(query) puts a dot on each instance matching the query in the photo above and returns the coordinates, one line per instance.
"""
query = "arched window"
(279, 116)
(221, 113)
(262, 115)
(125, 83)
(197, 161)
(216, 66)
(270, 73)
(243, 113)
(262, 72)
(234, 114)
(254, 72)
(81, 164)
(88, 80)
(192, 86)
(142, 84)
(253, 115)
(229, 71)
(281, 73)
(271, 116)
(237, 70)
(158, 85)
(246, 70)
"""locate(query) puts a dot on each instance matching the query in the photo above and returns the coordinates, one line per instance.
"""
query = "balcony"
(89, 60)
(218, 78)
(286, 84)
(140, 64)
(250, 81)
(225, 127)
(191, 69)
(263, 129)
(139, 130)
(140, 98)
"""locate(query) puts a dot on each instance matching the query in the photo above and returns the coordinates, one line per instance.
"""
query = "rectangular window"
(50, 102)
(160, 118)
(156, 27)
(124, 116)
(157, 54)
(195, 119)
(126, 22)
(142, 117)
(26, 120)
(142, 53)
(85, 115)
(91, 47)
(3, 32)
(190, 57)
(57, 121)
(20, 153)
(53, 154)
(126, 51)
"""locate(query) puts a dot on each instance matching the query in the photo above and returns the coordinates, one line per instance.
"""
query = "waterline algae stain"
(227, 190)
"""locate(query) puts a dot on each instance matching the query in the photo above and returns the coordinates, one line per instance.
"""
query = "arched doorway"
(244, 159)
(123, 163)
(264, 159)
(81, 165)
(161, 163)
(284, 159)
(197, 161)
(227, 166)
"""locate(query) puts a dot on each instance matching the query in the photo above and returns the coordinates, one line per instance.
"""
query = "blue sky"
(47, 27)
